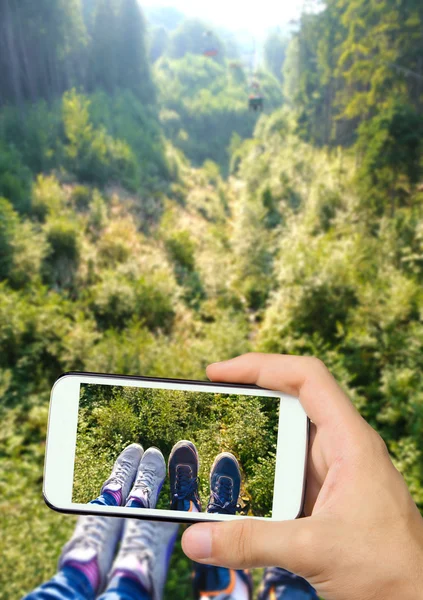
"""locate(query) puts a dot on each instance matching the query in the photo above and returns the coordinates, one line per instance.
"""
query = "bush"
(15, 178)
(117, 301)
(81, 197)
(48, 197)
(181, 247)
(8, 224)
(63, 254)
(93, 155)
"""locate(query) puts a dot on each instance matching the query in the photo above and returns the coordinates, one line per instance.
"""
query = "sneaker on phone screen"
(225, 484)
(183, 474)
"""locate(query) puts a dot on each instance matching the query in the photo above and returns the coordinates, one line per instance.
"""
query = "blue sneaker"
(183, 475)
(220, 583)
(279, 584)
(225, 483)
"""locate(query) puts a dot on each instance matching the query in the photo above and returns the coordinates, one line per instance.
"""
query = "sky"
(256, 17)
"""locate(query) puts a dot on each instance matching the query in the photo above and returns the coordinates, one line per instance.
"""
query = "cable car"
(210, 50)
(255, 102)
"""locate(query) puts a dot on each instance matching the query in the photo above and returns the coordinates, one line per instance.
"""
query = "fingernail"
(197, 542)
(220, 362)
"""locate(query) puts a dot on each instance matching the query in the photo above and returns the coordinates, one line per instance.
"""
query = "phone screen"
(176, 449)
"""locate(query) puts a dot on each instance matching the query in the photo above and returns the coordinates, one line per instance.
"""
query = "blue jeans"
(105, 500)
(71, 584)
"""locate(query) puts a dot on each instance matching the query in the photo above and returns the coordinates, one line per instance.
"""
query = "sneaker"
(225, 483)
(183, 475)
(145, 553)
(219, 583)
(150, 477)
(123, 473)
(279, 583)
(92, 547)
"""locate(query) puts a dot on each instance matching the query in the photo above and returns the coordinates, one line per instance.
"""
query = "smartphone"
(174, 450)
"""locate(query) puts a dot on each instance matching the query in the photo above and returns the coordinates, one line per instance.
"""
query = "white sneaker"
(145, 553)
(150, 477)
(92, 547)
(124, 471)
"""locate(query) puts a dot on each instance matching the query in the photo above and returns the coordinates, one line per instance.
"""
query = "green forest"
(112, 417)
(151, 222)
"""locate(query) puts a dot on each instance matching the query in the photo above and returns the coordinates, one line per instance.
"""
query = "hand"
(362, 537)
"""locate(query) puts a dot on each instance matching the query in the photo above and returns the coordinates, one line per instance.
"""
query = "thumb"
(246, 543)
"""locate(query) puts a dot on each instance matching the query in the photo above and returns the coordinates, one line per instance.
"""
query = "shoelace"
(93, 532)
(121, 473)
(140, 539)
(221, 499)
(185, 483)
(145, 480)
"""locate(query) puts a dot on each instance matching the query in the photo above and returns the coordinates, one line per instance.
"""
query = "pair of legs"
(90, 568)
(220, 583)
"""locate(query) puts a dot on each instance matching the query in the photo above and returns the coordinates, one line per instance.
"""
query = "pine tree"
(381, 59)
(103, 66)
(274, 53)
(132, 59)
(41, 48)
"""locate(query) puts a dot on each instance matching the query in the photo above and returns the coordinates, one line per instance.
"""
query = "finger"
(301, 376)
(251, 543)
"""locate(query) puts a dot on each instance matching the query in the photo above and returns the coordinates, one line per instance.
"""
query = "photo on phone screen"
(112, 417)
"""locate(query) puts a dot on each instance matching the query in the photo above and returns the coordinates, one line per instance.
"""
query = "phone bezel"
(61, 444)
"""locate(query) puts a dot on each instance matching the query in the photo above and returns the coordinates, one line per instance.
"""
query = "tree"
(274, 53)
(195, 37)
(103, 67)
(133, 69)
(88, 7)
(164, 16)
(391, 146)
(381, 58)
(159, 41)
(8, 224)
(41, 48)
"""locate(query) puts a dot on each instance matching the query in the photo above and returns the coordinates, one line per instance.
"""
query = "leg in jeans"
(225, 480)
(140, 569)
(87, 557)
(219, 582)
(85, 561)
(279, 584)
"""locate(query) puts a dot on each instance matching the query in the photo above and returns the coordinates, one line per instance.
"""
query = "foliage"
(62, 258)
(204, 102)
(352, 61)
(47, 197)
(149, 223)
(92, 155)
(216, 423)
(391, 148)
(274, 53)
(195, 37)
(14, 178)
